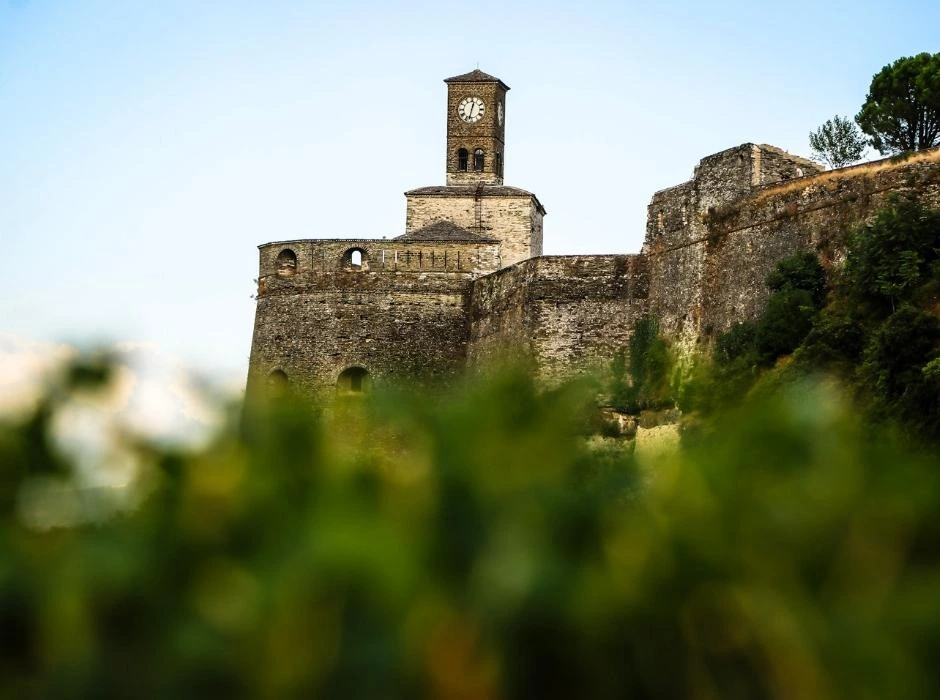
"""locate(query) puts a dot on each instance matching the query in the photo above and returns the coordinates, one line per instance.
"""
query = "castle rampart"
(561, 314)
(710, 256)
(677, 229)
(470, 258)
(396, 310)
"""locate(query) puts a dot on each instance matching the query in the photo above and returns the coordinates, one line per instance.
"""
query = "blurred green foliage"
(475, 543)
(640, 377)
(471, 544)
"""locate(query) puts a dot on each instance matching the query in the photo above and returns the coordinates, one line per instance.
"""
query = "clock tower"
(476, 125)
(475, 204)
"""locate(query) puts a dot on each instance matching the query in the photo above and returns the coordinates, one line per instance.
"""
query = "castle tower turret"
(475, 204)
(476, 126)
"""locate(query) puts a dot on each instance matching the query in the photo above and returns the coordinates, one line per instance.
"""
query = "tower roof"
(443, 231)
(476, 76)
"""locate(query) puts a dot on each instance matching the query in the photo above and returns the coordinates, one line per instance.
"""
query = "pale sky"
(147, 147)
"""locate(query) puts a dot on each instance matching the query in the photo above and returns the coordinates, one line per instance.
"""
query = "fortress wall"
(330, 255)
(711, 245)
(773, 165)
(675, 223)
(675, 263)
(536, 218)
(405, 326)
(748, 237)
(563, 314)
(514, 219)
(500, 328)
(410, 324)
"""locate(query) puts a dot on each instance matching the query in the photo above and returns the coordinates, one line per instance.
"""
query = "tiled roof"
(442, 231)
(476, 76)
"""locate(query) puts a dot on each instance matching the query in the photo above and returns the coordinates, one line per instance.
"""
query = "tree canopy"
(902, 110)
(838, 142)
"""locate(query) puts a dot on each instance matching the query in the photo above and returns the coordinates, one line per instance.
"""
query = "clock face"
(471, 109)
(499, 113)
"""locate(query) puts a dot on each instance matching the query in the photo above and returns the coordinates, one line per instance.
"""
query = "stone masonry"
(466, 286)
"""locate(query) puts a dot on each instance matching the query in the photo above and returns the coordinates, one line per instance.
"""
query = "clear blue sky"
(147, 147)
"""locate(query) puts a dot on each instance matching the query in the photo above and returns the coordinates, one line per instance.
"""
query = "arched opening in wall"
(353, 380)
(499, 164)
(355, 259)
(277, 382)
(462, 160)
(286, 263)
(478, 160)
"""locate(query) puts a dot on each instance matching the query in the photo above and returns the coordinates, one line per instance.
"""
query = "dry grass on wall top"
(854, 171)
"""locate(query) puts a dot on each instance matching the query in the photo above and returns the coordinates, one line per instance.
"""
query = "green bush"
(800, 271)
(739, 341)
(835, 341)
(877, 334)
(471, 544)
(894, 254)
(784, 324)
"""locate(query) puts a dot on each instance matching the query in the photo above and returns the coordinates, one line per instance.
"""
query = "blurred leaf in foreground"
(474, 544)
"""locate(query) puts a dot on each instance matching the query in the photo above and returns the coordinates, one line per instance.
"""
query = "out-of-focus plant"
(470, 544)
(641, 377)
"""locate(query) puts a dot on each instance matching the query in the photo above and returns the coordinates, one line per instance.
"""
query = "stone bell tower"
(475, 205)
(476, 127)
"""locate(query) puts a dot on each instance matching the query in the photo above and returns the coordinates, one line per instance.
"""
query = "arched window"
(286, 263)
(355, 259)
(499, 164)
(478, 160)
(277, 383)
(353, 380)
(462, 160)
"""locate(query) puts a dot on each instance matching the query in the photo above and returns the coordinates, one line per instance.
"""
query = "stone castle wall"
(329, 255)
(558, 314)
(676, 231)
(422, 309)
(712, 241)
(401, 314)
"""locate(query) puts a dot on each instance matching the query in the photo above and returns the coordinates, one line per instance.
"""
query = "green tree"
(784, 324)
(800, 271)
(738, 341)
(896, 368)
(902, 110)
(893, 255)
(838, 142)
(836, 340)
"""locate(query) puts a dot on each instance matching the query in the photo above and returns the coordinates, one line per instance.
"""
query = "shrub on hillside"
(784, 324)
(890, 257)
(800, 271)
